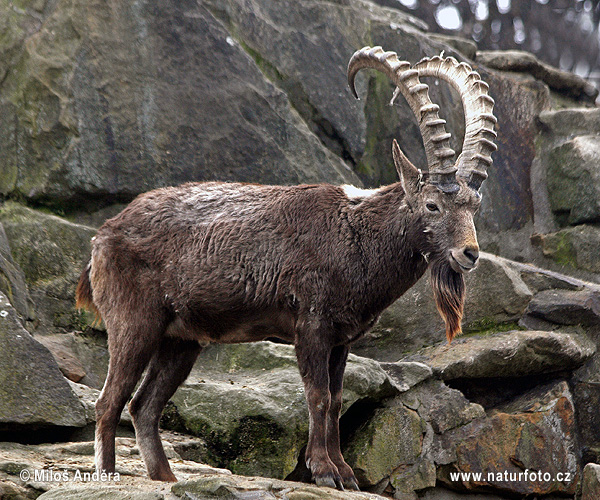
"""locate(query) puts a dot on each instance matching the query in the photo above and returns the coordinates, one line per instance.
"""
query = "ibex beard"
(313, 265)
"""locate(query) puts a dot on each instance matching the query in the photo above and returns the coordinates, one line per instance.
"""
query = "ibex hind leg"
(168, 368)
(337, 365)
(130, 346)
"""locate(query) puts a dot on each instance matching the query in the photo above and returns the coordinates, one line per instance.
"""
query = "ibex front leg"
(313, 351)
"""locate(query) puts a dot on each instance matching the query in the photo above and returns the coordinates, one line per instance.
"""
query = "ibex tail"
(83, 295)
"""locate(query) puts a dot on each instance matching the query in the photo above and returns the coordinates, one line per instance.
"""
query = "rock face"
(164, 78)
(51, 252)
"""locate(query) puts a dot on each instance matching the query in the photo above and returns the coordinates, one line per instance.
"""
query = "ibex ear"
(410, 176)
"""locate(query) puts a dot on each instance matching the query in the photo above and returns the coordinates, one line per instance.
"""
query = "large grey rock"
(126, 98)
(564, 307)
(573, 248)
(247, 401)
(510, 354)
(496, 295)
(52, 252)
(33, 391)
(574, 180)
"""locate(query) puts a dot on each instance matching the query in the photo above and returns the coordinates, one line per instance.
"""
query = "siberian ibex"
(313, 264)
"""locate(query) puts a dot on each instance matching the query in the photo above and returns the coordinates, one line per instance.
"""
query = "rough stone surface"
(12, 280)
(525, 62)
(109, 102)
(100, 493)
(79, 353)
(405, 375)
(535, 432)
(564, 307)
(51, 252)
(574, 180)
(33, 391)
(510, 354)
(391, 438)
(71, 458)
(590, 488)
(442, 407)
(496, 294)
(247, 401)
(228, 487)
(573, 248)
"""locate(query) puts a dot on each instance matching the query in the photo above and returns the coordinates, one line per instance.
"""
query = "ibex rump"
(314, 265)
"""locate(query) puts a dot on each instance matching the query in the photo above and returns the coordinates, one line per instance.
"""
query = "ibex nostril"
(472, 254)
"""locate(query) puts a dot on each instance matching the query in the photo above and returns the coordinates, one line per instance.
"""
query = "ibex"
(314, 265)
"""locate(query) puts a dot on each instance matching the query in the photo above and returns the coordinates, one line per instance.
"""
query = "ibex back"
(314, 265)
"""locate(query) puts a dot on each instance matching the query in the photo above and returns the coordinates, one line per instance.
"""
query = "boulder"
(564, 307)
(534, 436)
(442, 407)
(392, 450)
(496, 295)
(573, 248)
(508, 354)
(570, 122)
(80, 355)
(247, 401)
(392, 437)
(574, 180)
(51, 251)
(405, 374)
(590, 487)
(34, 394)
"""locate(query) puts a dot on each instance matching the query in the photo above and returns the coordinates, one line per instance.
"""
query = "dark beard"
(449, 294)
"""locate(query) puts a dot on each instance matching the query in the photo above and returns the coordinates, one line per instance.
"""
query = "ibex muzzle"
(311, 265)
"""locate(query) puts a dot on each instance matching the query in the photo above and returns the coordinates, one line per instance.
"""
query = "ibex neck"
(390, 240)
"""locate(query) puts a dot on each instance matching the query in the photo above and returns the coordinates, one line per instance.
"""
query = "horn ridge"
(478, 107)
(406, 78)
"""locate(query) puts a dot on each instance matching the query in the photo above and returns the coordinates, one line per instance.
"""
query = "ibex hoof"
(351, 484)
(329, 480)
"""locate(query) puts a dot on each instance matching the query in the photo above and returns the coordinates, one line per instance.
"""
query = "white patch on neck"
(352, 192)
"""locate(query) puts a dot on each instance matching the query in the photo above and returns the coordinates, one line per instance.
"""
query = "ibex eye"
(432, 207)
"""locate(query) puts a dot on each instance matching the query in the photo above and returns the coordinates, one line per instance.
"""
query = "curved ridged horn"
(478, 106)
(440, 157)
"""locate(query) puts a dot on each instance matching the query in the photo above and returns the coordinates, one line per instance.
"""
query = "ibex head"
(446, 195)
